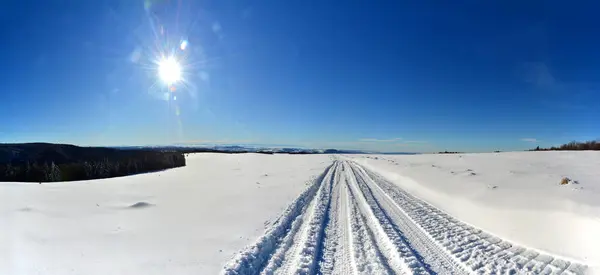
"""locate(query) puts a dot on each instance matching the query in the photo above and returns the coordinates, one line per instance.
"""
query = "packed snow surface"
(514, 195)
(188, 220)
(503, 213)
(354, 221)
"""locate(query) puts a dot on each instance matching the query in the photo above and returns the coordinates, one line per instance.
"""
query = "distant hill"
(48, 152)
(44, 162)
(592, 145)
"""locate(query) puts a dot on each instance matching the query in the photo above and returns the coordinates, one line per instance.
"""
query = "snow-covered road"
(353, 221)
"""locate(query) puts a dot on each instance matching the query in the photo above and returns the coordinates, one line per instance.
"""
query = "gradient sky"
(377, 75)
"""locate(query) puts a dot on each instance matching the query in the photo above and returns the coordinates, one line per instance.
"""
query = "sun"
(169, 70)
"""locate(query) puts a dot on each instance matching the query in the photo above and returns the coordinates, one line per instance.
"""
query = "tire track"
(333, 247)
(475, 250)
(254, 258)
(401, 258)
(369, 259)
(341, 236)
(353, 221)
(432, 255)
(301, 257)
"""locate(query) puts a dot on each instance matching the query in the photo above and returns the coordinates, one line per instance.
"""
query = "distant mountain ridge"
(66, 153)
(246, 149)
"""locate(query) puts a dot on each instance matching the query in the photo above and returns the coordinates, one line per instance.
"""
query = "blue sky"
(377, 75)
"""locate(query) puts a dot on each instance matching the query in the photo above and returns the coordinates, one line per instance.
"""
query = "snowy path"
(353, 221)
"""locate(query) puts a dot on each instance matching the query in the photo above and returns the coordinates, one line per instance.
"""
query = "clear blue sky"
(378, 75)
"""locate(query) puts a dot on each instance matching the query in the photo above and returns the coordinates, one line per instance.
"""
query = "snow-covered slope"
(187, 220)
(516, 196)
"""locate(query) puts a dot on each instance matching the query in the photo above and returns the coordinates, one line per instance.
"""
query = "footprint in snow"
(25, 209)
(141, 204)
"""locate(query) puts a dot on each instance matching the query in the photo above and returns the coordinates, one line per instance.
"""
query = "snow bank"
(516, 196)
(188, 220)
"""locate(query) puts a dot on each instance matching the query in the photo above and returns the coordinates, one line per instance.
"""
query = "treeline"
(56, 162)
(573, 146)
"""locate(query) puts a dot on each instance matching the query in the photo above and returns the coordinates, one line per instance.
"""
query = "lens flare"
(169, 70)
(183, 45)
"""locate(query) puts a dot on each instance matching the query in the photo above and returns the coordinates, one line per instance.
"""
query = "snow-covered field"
(187, 220)
(514, 195)
(288, 214)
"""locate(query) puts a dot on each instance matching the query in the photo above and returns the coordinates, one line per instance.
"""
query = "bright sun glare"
(169, 70)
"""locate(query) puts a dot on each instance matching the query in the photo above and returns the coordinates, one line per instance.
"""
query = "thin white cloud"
(533, 140)
(204, 76)
(559, 94)
(538, 74)
(216, 27)
(247, 13)
(415, 141)
(379, 140)
(217, 30)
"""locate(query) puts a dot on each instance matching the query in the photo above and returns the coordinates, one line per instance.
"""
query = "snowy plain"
(188, 220)
(514, 195)
(372, 213)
